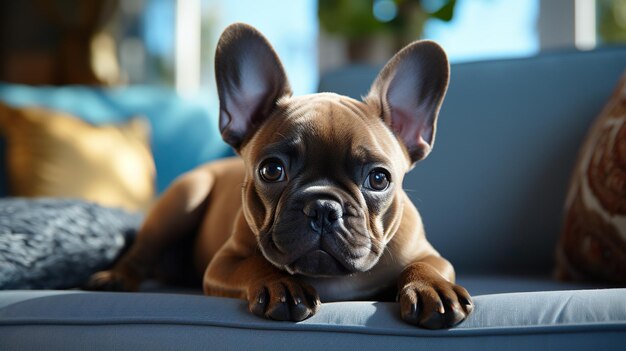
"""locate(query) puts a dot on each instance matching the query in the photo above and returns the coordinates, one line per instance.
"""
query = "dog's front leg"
(174, 217)
(240, 270)
(428, 296)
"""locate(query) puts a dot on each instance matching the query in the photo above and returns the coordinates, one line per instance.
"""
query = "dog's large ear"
(409, 91)
(250, 80)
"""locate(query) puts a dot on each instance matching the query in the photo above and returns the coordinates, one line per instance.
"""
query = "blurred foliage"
(355, 19)
(611, 21)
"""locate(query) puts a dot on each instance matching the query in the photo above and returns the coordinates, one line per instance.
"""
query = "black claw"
(436, 320)
(412, 317)
(279, 312)
(260, 304)
(453, 316)
(467, 304)
(464, 300)
(469, 308)
(313, 301)
(261, 299)
(299, 312)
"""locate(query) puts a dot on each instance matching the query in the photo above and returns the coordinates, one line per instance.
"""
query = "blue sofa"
(491, 196)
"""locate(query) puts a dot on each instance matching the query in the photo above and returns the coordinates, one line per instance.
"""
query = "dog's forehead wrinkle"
(370, 155)
(312, 127)
(322, 103)
(334, 123)
(325, 121)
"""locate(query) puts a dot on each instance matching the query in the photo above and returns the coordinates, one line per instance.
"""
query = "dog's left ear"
(250, 80)
(409, 91)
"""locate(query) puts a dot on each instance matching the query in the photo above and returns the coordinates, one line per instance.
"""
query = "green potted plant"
(361, 22)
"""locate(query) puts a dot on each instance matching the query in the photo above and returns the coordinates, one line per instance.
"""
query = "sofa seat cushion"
(66, 320)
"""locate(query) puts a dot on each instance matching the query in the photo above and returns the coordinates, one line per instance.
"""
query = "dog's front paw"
(434, 304)
(111, 281)
(283, 299)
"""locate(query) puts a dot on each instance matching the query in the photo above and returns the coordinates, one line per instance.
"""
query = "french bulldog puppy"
(313, 209)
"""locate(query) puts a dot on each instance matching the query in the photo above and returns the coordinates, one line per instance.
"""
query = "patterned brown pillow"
(593, 240)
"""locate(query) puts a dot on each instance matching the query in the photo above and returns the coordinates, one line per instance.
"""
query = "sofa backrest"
(491, 193)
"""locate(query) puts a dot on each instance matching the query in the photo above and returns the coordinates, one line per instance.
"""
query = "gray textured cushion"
(56, 243)
(56, 320)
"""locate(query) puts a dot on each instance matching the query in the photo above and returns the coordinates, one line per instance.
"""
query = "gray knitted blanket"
(57, 243)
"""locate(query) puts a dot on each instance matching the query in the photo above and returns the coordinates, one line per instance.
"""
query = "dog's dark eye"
(272, 171)
(377, 180)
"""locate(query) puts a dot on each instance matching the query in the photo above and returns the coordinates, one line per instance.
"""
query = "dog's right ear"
(250, 80)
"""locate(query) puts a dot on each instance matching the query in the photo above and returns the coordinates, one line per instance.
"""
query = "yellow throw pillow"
(54, 154)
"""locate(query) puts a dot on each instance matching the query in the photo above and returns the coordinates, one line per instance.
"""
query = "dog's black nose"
(322, 213)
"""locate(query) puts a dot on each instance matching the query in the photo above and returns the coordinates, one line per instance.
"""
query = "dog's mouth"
(307, 258)
(329, 255)
(317, 263)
